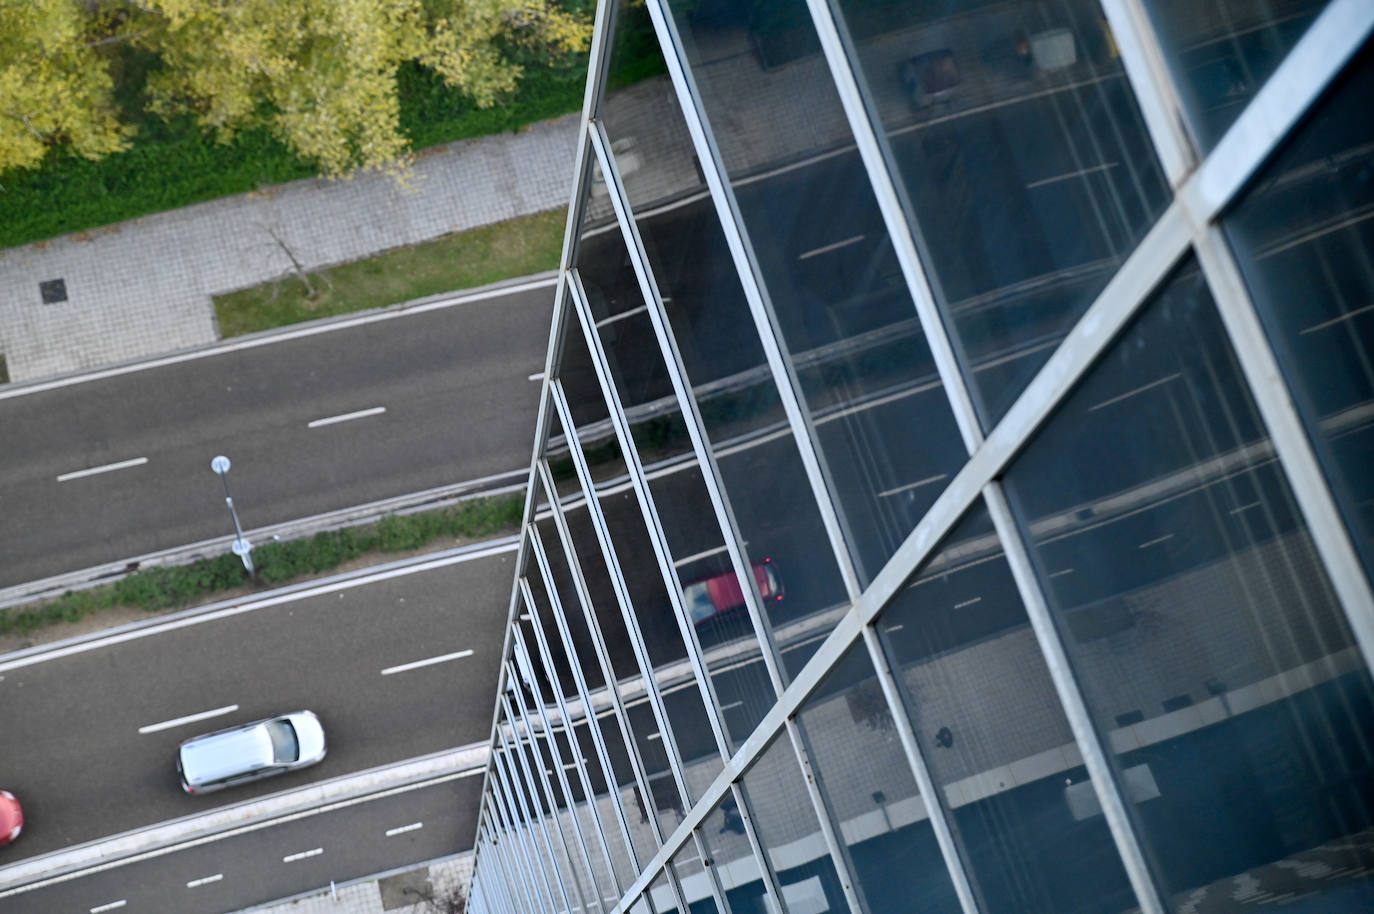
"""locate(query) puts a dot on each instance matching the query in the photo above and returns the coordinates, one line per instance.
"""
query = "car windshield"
(285, 746)
(699, 604)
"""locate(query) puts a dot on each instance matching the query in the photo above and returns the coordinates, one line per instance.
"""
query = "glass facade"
(915, 524)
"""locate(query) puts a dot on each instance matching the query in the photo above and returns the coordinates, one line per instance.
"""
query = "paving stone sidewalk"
(142, 288)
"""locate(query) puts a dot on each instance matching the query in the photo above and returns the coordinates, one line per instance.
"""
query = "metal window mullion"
(508, 850)
(598, 64)
(574, 747)
(755, 292)
(525, 770)
(584, 599)
(522, 554)
(828, 820)
(712, 873)
(1091, 742)
(622, 592)
(485, 867)
(1289, 436)
(1151, 81)
(657, 536)
(941, 821)
(521, 827)
(768, 876)
(508, 889)
(557, 758)
(514, 876)
(593, 722)
(691, 417)
(1314, 61)
(872, 152)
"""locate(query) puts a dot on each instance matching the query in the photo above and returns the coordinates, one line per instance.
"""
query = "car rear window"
(285, 746)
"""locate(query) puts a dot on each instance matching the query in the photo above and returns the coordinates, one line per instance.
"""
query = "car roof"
(218, 755)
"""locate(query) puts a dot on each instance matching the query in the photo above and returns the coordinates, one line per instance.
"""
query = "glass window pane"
(790, 833)
(1304, 236)
(835, 291)
(864, 774)
(1222, 51)
(1024, 161)
(1199, 620)
(994, 735)
(721, 621)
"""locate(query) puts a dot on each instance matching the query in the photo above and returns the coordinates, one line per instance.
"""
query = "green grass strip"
(155, 589)
(462, 260)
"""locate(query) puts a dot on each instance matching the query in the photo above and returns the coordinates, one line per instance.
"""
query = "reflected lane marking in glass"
(1061, 572)
(1336, 320)
(1156, 541)
(826, 249)
(415, 665)
(688, 559)
(965, 603)
(1253, 504)
(196, 883)
(914, 485)
(1070, 175)
(188, 719)
(346, 417)
(622, 315)
(1131, 393)
(733, 704)
(292, 858)
(121, 465)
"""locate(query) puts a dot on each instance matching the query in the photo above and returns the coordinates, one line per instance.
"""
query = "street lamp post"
(241, 548)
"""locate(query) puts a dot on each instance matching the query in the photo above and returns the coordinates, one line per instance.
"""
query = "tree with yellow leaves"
(320, 74)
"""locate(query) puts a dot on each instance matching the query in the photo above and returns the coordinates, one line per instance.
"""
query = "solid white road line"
(537, 376)
(109, 907)
(430, 662)
(196, 883)
(122, 465)
(360, 414)
(292, 858)
(392, 832)
(188, 719)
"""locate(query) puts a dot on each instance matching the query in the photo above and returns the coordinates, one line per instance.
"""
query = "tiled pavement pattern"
(142, 288)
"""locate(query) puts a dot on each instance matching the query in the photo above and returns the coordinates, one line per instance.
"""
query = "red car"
(11, 817)
(713, 596)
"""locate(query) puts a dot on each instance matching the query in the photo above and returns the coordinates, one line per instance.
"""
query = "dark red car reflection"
(710, 597)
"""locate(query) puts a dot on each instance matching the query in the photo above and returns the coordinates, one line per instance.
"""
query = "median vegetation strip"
(462, 260)
(156, 589)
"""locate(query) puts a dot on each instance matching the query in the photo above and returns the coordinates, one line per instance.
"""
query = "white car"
(250, 752)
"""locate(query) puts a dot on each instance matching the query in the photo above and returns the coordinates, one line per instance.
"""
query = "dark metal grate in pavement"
(54, 291)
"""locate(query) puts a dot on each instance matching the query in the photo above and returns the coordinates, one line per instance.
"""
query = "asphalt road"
(280, 860)
(440, 376)
(74, 753)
